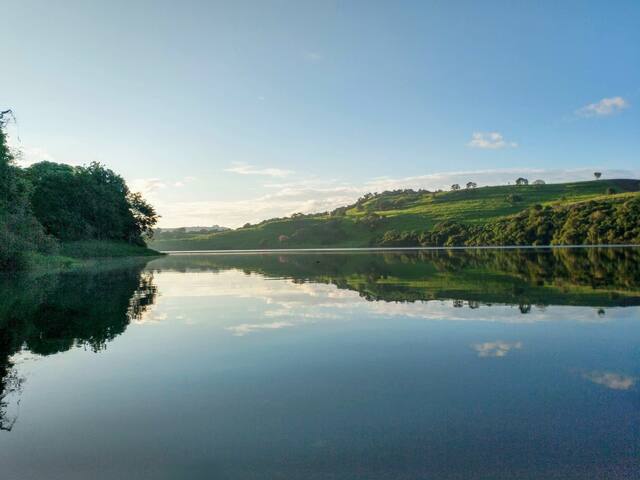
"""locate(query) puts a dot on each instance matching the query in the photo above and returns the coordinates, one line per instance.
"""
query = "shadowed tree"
(88, 203)
(20, 232)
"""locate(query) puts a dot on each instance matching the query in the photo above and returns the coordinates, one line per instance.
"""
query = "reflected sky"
(240, 371)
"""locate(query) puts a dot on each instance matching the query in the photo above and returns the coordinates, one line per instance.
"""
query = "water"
(411, 365)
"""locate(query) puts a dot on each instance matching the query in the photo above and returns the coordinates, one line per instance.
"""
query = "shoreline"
(388, 249)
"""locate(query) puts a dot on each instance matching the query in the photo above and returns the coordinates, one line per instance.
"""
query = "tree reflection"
(52, 313)
(599, 277)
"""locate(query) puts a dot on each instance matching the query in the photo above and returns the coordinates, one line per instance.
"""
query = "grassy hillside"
(365, 222)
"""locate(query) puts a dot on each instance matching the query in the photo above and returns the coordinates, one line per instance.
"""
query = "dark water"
(413, 365)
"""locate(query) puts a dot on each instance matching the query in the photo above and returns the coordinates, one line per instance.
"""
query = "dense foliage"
(50, 202)
(20, 231)
(595, 222)
(83, 203)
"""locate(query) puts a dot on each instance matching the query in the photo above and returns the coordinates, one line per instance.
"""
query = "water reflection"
(596, 277)
(48, 314)
(447, 364)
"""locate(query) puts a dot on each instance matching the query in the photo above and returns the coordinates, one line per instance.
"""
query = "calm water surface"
(412, 365)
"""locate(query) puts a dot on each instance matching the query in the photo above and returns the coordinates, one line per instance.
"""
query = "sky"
(232, 112)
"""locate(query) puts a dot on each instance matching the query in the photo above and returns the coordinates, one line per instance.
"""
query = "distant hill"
(465, 216)
(213, 228)
(180, 233)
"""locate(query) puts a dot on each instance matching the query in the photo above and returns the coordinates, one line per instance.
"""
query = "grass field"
(103, 248)
(401, 210)
(87, 254)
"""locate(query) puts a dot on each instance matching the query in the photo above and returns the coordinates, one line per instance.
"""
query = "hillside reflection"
(53, 313)
(601, 277)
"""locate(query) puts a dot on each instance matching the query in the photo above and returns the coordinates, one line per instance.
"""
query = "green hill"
(401, 216)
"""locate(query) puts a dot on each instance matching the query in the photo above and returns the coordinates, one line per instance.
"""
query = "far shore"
(389, 249)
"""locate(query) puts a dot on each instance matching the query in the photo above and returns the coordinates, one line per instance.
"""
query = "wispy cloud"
(604, 107)
(490, 140)
(313, 56)
(612, 380)
(242, 168)
(147, 186)
(497, 348)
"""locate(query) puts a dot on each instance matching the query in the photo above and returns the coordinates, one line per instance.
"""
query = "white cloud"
(490, 140)
(496, 349)
(612, 380)
(604, 107)
(146, 186)
(242, 168)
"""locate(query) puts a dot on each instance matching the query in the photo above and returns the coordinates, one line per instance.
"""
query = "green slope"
(363, 223)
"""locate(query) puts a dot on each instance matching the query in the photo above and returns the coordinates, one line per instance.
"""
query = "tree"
(88, 203)
(20, 232)
(144, 218)
(455, 187)
(522, 181)
(512, 198)
(471, 185)
(597, 175)
(538, 182)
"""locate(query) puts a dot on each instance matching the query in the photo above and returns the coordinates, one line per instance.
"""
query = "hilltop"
(463, 217)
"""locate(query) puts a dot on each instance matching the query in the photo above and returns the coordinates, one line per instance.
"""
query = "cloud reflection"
(497, 348)
(284, 303)
(246, 328)
(612, 380)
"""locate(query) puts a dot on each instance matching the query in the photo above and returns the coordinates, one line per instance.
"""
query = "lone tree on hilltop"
(538, 182)
(522, 181)
(597, 175)
(471, 185)
(455, 187)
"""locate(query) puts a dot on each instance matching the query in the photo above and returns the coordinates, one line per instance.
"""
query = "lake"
(466, 364)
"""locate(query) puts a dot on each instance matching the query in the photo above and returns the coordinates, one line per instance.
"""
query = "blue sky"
(227, 112)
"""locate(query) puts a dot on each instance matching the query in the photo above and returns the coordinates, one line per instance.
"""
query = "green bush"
(607, 221)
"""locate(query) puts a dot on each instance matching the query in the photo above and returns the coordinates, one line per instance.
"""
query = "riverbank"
(87, 253)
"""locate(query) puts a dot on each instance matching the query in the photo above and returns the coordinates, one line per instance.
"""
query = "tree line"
(596, 222)
(47, 203)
